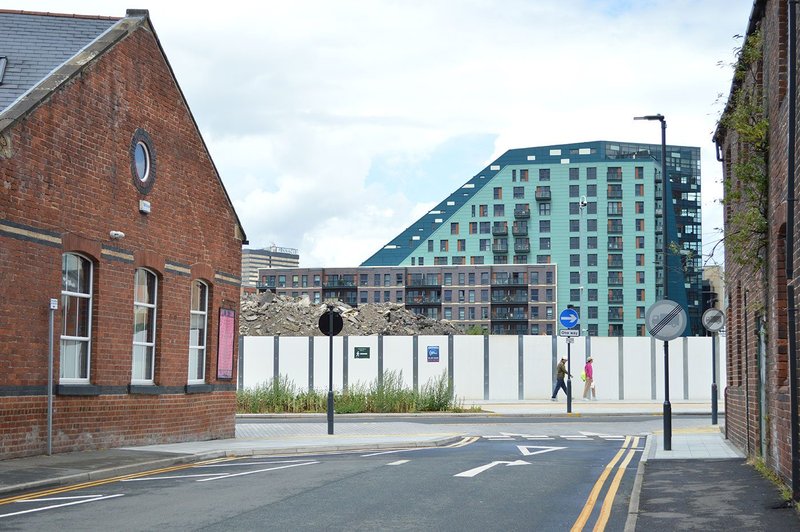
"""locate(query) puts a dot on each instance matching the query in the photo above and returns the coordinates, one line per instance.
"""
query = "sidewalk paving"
(683, 488)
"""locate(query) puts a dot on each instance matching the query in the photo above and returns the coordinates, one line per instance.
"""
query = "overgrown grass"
(390, 395)
(772, 476)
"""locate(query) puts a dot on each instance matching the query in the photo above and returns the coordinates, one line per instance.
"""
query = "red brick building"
(752, 142)
(111, 208)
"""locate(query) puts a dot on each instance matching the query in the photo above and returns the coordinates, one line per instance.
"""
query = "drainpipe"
(790, 221)
(746, 375)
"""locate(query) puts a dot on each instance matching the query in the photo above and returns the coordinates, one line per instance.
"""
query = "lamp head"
(658, 117)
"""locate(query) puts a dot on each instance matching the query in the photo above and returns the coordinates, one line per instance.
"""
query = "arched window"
(145, 296)
(198, 321)
(76, 312)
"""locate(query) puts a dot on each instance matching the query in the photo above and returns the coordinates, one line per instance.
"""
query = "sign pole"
(569, 376)
(50, 364)
(667, 405)
(330, 370)
(714, 410)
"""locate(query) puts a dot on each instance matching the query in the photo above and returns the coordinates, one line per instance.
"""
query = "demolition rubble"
(270, 315)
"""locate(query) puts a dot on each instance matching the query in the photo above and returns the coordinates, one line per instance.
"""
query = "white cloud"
(299, 100)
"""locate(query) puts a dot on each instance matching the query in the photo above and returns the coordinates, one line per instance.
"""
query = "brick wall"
(66, 185)
(763, 291)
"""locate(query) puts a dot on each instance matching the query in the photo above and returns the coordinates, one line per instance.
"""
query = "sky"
(335, 124)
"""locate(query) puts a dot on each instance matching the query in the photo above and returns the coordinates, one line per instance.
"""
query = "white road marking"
(255, 471)
(399, 462)
(233, 464)
(525, 449)
(480, 469)
(72, 503)
(386, 452)
(170, 477)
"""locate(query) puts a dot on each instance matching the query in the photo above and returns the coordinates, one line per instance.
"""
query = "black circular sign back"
(325, 323)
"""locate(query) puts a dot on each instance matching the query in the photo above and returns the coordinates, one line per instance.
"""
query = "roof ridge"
(48, 14)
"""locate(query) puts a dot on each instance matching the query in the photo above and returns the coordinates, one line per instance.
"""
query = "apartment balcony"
(542, 194)
(423, 282)
(519, 230)
(522, 213)
(522, 247)
(500, 230)
(423, 301)
(614, 281)
(510, 281)
(339, 284)
(615, 265)
(510, 328)
(616, 300)
(509, 300)
(614, 211)
(510, 316)
(499, 248)
(615, 318)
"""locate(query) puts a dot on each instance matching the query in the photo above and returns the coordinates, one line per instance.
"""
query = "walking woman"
(589, 386)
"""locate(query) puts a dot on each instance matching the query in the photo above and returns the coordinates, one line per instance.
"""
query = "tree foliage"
(746, 190)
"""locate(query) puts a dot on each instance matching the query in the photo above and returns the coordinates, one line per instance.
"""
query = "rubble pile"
(270, 315)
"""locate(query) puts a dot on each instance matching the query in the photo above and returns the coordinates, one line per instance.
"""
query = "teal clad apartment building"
(592, 211)
(535, 232)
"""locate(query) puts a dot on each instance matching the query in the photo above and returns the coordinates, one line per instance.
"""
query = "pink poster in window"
(225, 344)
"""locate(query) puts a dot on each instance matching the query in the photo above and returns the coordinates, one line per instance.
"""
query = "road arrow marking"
(526, 449)
(480, 469)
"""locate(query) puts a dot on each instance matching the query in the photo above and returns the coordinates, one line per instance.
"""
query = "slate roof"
(45, 50)
(35, 44)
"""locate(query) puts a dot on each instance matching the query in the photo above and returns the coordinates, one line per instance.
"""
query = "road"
(507, 476)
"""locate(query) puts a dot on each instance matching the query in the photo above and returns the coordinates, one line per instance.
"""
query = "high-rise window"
(574, 191)
(498, 192)
(499, 209)
(544, 226)
(454, 228)
(523, 175)
(573, 174)
(145, 296)
(544, 209)
(544, 174)
(76, 313)
(591, 173)
(519, 192)
(198, 320)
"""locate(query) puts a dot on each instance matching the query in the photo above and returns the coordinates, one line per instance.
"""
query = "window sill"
(199, 388)
(77, 389)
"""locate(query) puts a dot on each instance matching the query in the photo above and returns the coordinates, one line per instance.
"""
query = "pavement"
(702, 483)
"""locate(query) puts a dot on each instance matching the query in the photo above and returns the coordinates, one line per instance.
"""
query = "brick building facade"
(759, 388)
(110, 205)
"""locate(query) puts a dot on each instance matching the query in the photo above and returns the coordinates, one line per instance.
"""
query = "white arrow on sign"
(480, 469)
(526, 449)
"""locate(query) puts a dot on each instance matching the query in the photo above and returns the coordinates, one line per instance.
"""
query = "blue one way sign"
(569, 318)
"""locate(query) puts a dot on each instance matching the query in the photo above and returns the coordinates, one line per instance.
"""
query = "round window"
(143, 161)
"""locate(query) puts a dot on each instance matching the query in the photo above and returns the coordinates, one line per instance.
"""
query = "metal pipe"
(790, 199)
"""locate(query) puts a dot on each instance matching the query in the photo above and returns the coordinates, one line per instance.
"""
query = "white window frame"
(147, 379)
(84, 339)
(198, 345)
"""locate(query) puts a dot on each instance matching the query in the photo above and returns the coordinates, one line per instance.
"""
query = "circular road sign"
(713, 320)
(665, 319)
(325, 323)
(569, 318)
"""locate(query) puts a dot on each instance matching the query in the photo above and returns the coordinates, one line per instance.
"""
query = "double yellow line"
(608, 501)
(93, 483)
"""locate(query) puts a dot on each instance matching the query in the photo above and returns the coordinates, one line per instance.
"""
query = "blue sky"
(336, 124)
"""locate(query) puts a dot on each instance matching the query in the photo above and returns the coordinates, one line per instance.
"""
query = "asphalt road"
(500, 481)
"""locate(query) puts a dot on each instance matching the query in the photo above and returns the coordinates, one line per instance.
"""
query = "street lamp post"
(667, 406)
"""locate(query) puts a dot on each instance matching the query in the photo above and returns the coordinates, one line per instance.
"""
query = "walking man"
(561, 373)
